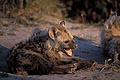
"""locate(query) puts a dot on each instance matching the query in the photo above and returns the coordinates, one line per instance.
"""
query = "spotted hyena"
(110, 38)
(47, 52)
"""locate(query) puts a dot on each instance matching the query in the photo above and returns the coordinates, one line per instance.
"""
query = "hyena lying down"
(110, 38)
(43, 53)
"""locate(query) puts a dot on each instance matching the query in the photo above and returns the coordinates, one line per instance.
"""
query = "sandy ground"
(86, 36)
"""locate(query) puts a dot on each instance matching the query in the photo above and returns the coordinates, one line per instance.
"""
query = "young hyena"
(43, 53)
(110, 38)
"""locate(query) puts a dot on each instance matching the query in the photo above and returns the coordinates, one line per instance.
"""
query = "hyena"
(110, 38)
(44, 52)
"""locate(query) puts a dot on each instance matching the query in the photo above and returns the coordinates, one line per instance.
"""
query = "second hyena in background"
(110, 38)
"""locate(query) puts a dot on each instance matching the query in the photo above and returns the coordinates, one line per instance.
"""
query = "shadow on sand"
(3, 58)
(88, 50)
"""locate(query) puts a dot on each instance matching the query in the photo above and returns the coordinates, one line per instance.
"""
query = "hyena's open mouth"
(68, 51)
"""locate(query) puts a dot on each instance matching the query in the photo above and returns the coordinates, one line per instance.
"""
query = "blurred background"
(80, 11)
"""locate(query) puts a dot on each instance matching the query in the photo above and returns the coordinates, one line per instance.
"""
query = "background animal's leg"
(115, 50)
(116, 57)
(116, 62)
(115, 65)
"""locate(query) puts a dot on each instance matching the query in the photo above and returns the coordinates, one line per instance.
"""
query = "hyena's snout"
(73, 45)
(68, 47)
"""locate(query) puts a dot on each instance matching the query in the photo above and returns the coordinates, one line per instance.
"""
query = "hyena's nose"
(76, 46)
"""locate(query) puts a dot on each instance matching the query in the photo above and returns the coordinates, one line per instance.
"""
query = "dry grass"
(48, 7)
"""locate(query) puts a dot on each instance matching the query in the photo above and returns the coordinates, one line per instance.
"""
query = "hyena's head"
(62, 38)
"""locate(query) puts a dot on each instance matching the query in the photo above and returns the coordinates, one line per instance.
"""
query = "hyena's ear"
(52, 33)
(62, 23)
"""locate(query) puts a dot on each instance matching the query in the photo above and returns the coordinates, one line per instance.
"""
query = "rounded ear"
(52, 33)
(62, 23)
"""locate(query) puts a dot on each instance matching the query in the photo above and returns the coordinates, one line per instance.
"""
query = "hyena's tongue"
(68, 52)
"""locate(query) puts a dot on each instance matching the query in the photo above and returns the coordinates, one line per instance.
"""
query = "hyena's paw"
(66, 69)
(73, 68)
(21, 71)
(90, 65)
(87, 64)
(93, 65)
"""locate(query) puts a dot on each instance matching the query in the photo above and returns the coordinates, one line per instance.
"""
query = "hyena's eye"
(58, 33)
(66, 41)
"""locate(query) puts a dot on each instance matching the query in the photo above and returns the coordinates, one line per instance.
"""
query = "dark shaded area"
(3, 58)
(88, 50)
(90, 10)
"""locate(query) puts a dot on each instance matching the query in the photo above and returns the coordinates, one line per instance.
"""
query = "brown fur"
(40, 53)
(110, 37)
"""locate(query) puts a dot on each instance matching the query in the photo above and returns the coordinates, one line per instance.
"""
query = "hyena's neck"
(53, 44)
